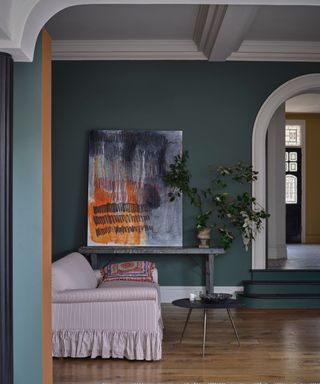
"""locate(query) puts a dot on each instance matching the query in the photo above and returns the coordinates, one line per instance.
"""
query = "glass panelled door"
(293, 195)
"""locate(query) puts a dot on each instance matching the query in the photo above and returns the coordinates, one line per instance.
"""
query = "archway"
(287, 90)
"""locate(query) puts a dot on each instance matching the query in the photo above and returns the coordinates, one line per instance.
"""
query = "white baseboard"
(170, 293)
(278, 252)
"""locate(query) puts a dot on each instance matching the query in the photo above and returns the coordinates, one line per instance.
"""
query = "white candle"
(192, 297)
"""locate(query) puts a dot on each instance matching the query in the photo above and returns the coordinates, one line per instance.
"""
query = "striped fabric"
(113, 316)
(119, 319)
(134, 345)
(109, 291)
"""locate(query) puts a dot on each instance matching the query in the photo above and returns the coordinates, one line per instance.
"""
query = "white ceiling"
(99, 22)
(306, 103)
(95, 22)
(286, 23)
(194, 32)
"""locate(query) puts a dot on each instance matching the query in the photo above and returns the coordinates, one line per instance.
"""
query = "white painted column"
(276, 186)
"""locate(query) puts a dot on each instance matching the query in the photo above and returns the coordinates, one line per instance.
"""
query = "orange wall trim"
(46, 209)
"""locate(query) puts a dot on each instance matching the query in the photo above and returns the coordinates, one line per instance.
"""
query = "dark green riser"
(282, 289)
(288, 275)
(285, 287)
(280, 301)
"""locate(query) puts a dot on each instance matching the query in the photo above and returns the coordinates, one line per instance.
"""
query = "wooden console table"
(210, 253)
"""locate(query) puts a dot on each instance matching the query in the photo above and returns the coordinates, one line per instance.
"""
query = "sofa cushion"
(73, 272)
(129, 270)
(119, 291)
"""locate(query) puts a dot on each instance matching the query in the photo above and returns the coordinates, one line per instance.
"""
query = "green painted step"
(281, 287)
(273, 288)
(278, 274)
(305, 301)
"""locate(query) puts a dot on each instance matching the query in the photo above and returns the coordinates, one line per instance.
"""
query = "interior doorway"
(294, 231)
(295, 186)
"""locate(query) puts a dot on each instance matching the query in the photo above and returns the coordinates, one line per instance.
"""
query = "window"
(291, 161)
(293, 141)
(291, 189)
(293, 135)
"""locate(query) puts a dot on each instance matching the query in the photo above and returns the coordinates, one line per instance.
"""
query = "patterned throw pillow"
(129, 270)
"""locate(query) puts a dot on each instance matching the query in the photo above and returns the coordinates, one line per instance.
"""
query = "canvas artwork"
(128, 201)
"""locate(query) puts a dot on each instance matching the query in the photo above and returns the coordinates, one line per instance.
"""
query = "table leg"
(185, 324)
(94, 260)
(204, 332)
(210, 273)
(234, 328)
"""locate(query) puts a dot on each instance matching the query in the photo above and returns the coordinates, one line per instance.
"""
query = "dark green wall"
(27, 221)
(215, 104)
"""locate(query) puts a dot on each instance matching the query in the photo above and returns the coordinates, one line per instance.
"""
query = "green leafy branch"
(240, 213)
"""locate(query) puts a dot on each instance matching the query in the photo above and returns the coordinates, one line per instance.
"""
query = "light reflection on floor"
(300, 256)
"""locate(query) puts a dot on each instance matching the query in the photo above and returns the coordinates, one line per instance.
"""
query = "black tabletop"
(186, 303)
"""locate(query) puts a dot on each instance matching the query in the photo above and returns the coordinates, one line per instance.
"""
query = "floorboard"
(277, 346)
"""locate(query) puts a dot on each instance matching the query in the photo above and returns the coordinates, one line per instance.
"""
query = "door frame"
(6, 264)
(302, 124)
(294, 87)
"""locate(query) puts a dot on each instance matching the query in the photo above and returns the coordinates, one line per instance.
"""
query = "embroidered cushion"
(129, 270)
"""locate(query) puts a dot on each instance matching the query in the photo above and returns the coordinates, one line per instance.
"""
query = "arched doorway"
(294, 87)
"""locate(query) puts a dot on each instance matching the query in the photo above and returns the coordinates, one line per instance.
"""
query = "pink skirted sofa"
(91, 318)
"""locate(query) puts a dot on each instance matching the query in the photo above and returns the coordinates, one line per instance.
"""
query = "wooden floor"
(277, 346)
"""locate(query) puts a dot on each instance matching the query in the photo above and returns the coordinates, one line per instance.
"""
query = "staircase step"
(281, 287)
(280, 300)
(288, 274)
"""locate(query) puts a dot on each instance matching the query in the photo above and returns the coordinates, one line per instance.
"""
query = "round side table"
(225, 304)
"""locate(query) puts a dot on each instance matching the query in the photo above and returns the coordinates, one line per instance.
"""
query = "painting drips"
(127, 198)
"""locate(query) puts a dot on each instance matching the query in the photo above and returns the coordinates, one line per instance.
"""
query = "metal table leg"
(209, 273)
(185, 324)
(234, 328)
(204, 332)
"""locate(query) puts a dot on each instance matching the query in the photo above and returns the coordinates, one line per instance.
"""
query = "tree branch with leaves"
(233, 214)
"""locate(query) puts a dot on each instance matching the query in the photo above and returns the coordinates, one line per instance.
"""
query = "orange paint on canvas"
(111, 233)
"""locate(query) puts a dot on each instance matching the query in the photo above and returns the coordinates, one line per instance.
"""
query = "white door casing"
(276, 187)
(294, 87)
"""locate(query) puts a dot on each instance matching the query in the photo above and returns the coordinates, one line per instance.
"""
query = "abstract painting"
(128, 201)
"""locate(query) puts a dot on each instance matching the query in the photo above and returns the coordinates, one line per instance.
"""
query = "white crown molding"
(125, 50)
(273, 50)
(170, 293)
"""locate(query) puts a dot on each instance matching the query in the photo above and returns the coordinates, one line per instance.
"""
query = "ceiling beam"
(220, 29)
(207, 26)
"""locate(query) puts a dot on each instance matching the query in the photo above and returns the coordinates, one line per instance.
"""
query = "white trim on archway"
(294, 87)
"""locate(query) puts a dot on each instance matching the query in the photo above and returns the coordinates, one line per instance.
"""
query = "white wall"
(276, 186)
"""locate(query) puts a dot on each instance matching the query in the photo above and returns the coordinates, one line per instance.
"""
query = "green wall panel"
(215, 104)
(27, 222)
